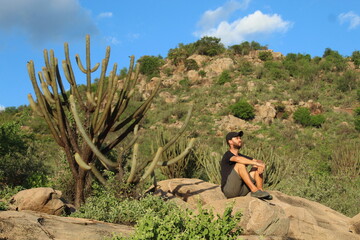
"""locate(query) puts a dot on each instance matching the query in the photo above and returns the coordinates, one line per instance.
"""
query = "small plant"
(191, 64)
(302, 116)
(246, 68)
(185, 82)
(184, 224)
(202, 74)
(265, 56)
(357, 119)
(358, 94)
(224, 77)
(242, 109)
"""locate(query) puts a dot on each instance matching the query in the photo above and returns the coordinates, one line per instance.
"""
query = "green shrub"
(355, 57)
(150, 65)
(209, 46)
(185, 82)
(242, 109)
(357, 119)
(191, 64)
(5, 195)
(347, 81)
(20, 164)
(224, 77)
(181, 224)
(265, 56)
(358, 94)
(202, 74)
(246, 68)
(104, 205)
(302, 116)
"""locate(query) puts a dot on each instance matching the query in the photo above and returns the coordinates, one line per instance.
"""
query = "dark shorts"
(235, 186)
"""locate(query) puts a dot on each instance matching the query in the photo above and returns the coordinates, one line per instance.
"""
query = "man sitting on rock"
(235, 179)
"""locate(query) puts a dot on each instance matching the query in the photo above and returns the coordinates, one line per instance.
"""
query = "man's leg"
(243, 173)
(255, 174)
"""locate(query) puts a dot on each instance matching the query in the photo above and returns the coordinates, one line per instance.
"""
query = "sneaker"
(268, 197)
(260, 194)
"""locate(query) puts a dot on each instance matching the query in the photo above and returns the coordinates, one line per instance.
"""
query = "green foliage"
(347, 81)
(275, 70)
(358, 94)
(150, 65)
(185, 82)
(302, 116)
(185, 225)
(357, 119)
(242, 109)
(20, 165)
(245, 47)
(224, 77)
(333, 61)
(191, 64)
(6, 193)
(265, 56)
(355, 57)
(181, 53)
(202, 74)
(246, 68)
(209, 46)
(105, 205)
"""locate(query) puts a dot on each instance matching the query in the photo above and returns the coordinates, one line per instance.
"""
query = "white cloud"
(2, 108)
(105, 15)
(43, 20)
(237, 31)
(351, 17)
(112, 40)
(212, 17)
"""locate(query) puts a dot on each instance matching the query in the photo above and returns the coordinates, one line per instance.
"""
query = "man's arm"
(243, 160)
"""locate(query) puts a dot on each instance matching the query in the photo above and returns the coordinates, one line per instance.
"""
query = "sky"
(152, 27)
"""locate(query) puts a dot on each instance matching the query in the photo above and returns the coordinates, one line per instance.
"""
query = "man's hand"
(260, 165)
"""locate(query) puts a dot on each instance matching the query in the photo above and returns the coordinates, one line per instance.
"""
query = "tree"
(89, 125)
(355, 57)
(209, 46)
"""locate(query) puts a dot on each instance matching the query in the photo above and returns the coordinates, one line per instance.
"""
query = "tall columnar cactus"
(81, 122)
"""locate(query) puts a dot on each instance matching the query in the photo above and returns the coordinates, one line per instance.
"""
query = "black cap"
(231, 135)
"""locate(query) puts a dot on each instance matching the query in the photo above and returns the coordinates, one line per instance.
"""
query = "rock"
(251, 86)
(231, 123)
(168, 97)
(46, 200)
(193, 76)
(38, 226)
(355, 224)
(284, 217)
(265, 113)
(190, 191)
(219, 65)
(199, 59)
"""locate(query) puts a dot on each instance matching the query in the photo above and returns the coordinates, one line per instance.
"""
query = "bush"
(246, 68)
(357, 119)
(265, 56)
(355, 57)
(191, 64)
(358, 94)
(209, 46)
(224, 77)
(242, 109)
(19, 163)
(150, 65)
(184, 224)
(347, 81)
(302, 116)
(202, 74)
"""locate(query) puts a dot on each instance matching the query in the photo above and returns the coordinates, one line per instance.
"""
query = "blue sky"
(152, 27)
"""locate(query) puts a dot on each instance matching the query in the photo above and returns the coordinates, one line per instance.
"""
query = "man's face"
(236, 142)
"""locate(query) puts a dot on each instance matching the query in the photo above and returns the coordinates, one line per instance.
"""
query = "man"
(235, 178)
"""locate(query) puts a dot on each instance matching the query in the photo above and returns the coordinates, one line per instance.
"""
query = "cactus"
(81, 122)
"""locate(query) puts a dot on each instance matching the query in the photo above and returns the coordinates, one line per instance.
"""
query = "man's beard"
(237, 146)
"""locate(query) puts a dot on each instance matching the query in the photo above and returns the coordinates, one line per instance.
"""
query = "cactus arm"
(106, 162)
(97, 174)
(173, 140)
(133, 163)
(179, 157)
(153, 164)
(42, 104)
(34, 106)
(81, 162)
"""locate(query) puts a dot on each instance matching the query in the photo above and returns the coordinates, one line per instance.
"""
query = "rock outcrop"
(284, 217)
(27, 225)
(45, 200)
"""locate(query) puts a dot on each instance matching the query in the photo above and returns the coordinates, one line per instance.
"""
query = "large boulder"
(26, 225)
(219, 65)
(46, 200)
(284, 217)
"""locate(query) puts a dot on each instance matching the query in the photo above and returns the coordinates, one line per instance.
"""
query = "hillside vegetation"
(300, 114)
